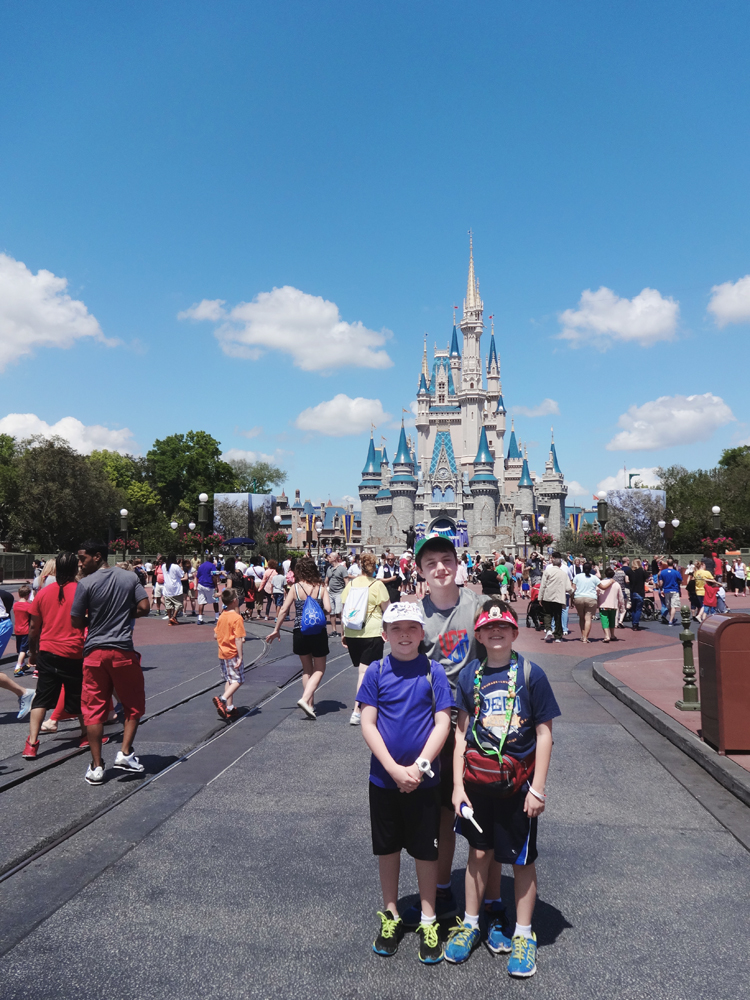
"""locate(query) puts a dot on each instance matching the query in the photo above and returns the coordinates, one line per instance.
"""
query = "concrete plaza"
(246, 869)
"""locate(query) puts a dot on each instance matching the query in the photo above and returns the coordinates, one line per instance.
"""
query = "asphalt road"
(246, 871)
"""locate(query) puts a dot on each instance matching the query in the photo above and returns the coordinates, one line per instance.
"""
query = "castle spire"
(472, 293)
(425, 367)
(492, 358)
(553, 455)
(455, 353)
(525, 479)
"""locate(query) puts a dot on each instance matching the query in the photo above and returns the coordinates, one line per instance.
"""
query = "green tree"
(129, 474)
(62, 496)
(8, 484)
(184, 465)
(691, 495)
(256, 477)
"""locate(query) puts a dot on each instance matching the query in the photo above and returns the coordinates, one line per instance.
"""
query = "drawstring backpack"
(313, 619)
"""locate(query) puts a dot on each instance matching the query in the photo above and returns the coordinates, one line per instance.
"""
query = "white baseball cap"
(403, 611)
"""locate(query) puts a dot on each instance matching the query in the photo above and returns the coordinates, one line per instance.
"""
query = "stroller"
(534, 611)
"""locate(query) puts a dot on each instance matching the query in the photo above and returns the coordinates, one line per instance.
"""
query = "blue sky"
(159, 156)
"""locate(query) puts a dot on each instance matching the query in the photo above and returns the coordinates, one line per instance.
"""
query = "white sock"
(427, 920)
(522, 931)
(471, 921)
(200, 618)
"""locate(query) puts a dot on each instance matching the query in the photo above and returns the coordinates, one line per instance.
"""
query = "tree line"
(690, 497)
(51, 496)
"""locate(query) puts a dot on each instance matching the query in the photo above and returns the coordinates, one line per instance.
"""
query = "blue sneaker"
(445, 908)
(462, 940)
(522, 963)
(499, 931)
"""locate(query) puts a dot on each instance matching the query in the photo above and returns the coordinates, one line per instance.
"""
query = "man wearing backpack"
(364, 601)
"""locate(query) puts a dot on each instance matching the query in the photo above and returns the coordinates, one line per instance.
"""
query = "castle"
(460, 482)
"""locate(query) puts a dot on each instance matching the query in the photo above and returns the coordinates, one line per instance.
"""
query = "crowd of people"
(458, 723)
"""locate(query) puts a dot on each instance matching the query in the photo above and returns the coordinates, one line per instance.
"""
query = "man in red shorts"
(107, 601)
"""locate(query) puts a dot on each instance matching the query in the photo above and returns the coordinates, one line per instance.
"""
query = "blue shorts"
(22, 643)
(6, 631)
(507, 830)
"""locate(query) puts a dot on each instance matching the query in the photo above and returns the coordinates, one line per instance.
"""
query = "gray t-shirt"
(449, 634)
(337, 578)
(108, 597)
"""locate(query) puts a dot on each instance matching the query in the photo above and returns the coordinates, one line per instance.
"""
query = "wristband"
(538, 795)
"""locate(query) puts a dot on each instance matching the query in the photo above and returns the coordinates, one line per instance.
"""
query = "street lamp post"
(668, 531)
(602, 516)
(124, 530)
(716, 511)
(318, 529)
(525, 526)
(203, 519)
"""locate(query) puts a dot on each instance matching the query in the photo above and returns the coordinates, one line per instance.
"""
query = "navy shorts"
(407, 821)
(506, 828)
(22, 643)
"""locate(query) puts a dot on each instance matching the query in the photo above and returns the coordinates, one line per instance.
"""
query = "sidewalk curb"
(733, 777)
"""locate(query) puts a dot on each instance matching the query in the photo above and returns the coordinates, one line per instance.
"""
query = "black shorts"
(56, 672)
(446, 770)
(405, 821)
(310, 645)
(22, 643)
(505, 825)
(365, 651)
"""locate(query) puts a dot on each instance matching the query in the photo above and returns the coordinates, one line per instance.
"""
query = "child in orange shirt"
(230, 635)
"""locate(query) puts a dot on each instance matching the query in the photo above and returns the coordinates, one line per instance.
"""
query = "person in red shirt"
(56, 648)
(21, 611)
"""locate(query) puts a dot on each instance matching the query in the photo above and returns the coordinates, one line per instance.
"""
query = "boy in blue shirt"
(406, 716)
(503, 748)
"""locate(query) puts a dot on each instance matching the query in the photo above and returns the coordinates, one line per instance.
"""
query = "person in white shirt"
(174, 574)
(354, 569)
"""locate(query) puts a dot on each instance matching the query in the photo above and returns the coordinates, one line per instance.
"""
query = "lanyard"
(509, 703)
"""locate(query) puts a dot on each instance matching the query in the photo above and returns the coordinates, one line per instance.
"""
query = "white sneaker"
(165, 618)
(128, 763)
(548, 637)
(355, 719)
(94, 775)
(307, 709)
(24, 703)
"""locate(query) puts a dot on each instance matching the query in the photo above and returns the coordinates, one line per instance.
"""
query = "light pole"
(203, 519)
(716, 511)
(318, 529)
(602, 516)
(540, 522)
(525, 527)
(668, 531)
(124, 530)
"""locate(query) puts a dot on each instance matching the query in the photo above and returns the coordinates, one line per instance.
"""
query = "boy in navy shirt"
(406, 716)
(503, 747)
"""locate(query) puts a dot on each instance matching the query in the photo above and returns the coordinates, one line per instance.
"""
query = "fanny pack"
(501, 778)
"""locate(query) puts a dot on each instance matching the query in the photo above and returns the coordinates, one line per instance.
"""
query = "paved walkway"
(246, 870)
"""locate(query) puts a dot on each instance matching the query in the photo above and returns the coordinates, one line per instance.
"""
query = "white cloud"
(544, 409)
(84, 439)
(342, 415)
(253, 432)
(647, 477)
(36, 311)
(240, 455)
(306, 327)
(730, 303)
(576, 490)
(603, 318)
(207, 309)
(670, 420)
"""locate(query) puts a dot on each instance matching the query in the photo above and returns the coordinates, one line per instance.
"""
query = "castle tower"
(483, 486)
(552, 491)
(513, 462)
(470, 393)
(494, 414)
(403, 489)
(368, 490)
(455, 358)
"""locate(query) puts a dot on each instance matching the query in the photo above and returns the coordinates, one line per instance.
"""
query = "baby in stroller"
(534, 611)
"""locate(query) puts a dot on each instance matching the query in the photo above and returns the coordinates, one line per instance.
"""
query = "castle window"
(471, 385)
(441, 398)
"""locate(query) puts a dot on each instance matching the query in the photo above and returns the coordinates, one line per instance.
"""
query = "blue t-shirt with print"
(531, 707)
(400, 691)
(670, 581)
(205, 573)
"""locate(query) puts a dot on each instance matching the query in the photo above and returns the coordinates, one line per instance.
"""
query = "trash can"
(724, 680)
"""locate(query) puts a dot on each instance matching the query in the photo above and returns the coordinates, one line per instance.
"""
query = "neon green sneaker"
(430, 945)
(391, 932)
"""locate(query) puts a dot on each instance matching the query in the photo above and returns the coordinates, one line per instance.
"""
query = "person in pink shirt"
(610, 599)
